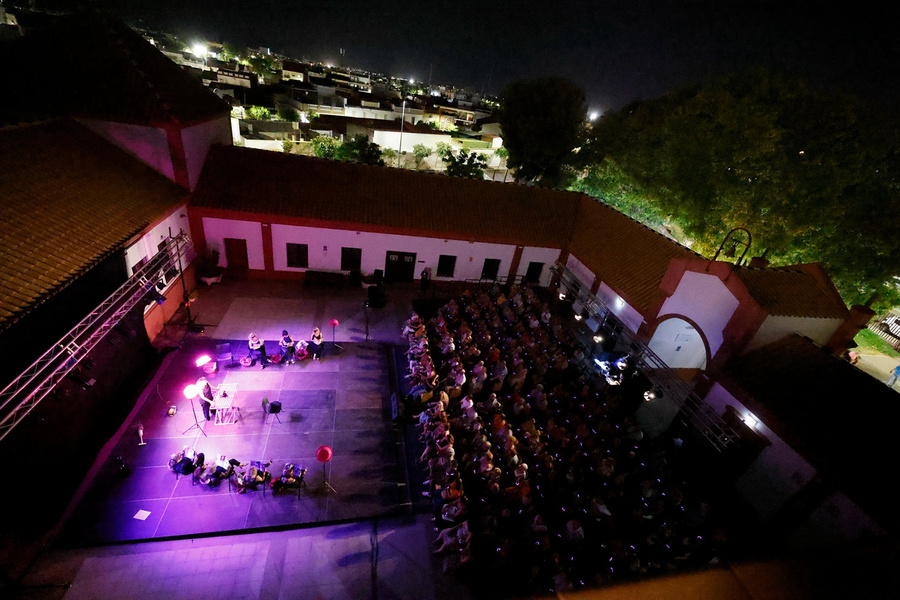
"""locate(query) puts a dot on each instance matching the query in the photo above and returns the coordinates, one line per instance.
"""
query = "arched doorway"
(679, 344)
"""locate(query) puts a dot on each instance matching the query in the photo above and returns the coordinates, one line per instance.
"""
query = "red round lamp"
(324, 454)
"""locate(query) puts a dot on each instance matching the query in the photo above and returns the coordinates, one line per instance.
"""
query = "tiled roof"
(841, 419)
(95, 67)
(630, 257)
(793, 292)
(69, 199)
(323, 191)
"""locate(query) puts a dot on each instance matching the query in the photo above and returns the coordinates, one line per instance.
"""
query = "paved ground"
(878, 366)
(369, 556)
(365, 550)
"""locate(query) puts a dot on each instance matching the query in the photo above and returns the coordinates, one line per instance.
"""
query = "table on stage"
(224, 404)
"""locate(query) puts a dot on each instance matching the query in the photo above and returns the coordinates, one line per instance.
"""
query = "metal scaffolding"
(24, 393)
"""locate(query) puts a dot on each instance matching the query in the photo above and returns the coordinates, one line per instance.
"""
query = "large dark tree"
(543, 122)
(361, 150)
(814, 177)
(465, 164)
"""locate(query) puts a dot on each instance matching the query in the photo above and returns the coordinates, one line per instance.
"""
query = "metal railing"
(24, 393)
(700, 415)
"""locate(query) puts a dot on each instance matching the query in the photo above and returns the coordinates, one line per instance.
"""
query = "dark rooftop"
(106, 71)
(69, 199)
(838, 417)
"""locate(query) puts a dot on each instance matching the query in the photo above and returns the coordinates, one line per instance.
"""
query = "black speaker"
(379, 276)
(274, 407)
(376, 296)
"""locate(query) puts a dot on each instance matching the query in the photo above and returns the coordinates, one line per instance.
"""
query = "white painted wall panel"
(216, 230)
(325, 250)
(704, 299)
(776, 474)
(774, 328)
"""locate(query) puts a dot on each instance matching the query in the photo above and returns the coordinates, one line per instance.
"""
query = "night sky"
(617, 51)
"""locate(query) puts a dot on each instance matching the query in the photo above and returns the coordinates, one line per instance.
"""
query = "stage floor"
(342, 401)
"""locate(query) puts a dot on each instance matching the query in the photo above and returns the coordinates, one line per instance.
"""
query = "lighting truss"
(702, 417)
(25, 392)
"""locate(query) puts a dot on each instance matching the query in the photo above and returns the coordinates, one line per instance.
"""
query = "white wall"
(365, 112)
(216, 230)
(580, 271)
(679, 345)
(147, 245)
(631, 318)
(391, 139)
(704, 299)
(149, 144)
(776, 474)
(774, 328)
(548, 256)
(375, 246)
(275, 145)
(197, 140)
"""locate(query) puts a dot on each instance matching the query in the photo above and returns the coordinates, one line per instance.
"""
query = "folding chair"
(223, 353)
(271, 408)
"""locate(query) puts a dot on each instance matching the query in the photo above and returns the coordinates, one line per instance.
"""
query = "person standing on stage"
(315, 343)
(288, 347)
(206, 393)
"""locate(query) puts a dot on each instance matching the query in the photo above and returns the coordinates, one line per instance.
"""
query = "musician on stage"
(207, 394)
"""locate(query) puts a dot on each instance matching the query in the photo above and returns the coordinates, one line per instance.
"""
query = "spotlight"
(153, 294)
(141, 435)
(578, 317)
(202, 360)
(172, 410)
(598, 338)
(191, 391)
(562, 296)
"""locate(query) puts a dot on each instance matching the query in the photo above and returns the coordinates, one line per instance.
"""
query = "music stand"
(190, 392)
(334, 323)
(323, 455)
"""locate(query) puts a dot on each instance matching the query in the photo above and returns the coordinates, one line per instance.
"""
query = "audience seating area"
(541, 480)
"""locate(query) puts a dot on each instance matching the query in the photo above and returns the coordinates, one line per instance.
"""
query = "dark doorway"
(399, 266)
(236, 257)
(490, 269)
(351, 259)
(533, 274)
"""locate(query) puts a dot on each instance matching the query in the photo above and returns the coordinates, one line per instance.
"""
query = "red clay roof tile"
(69, 199)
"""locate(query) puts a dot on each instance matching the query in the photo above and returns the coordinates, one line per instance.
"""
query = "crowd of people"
(244, 476)
(533, 459)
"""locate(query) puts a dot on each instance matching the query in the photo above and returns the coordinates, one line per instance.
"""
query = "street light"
(402, 121)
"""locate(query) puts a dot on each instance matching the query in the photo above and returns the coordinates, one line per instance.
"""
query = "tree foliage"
(470, 165)
(543, 122)
(359, 150)
(421, 152)
(389, 155)
(325, 146)
(814, 177)
(261, 64)
(259, 113)
(288, 113)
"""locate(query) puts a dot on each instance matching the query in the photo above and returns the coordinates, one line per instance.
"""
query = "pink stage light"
(203, 360)
(191, 391)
